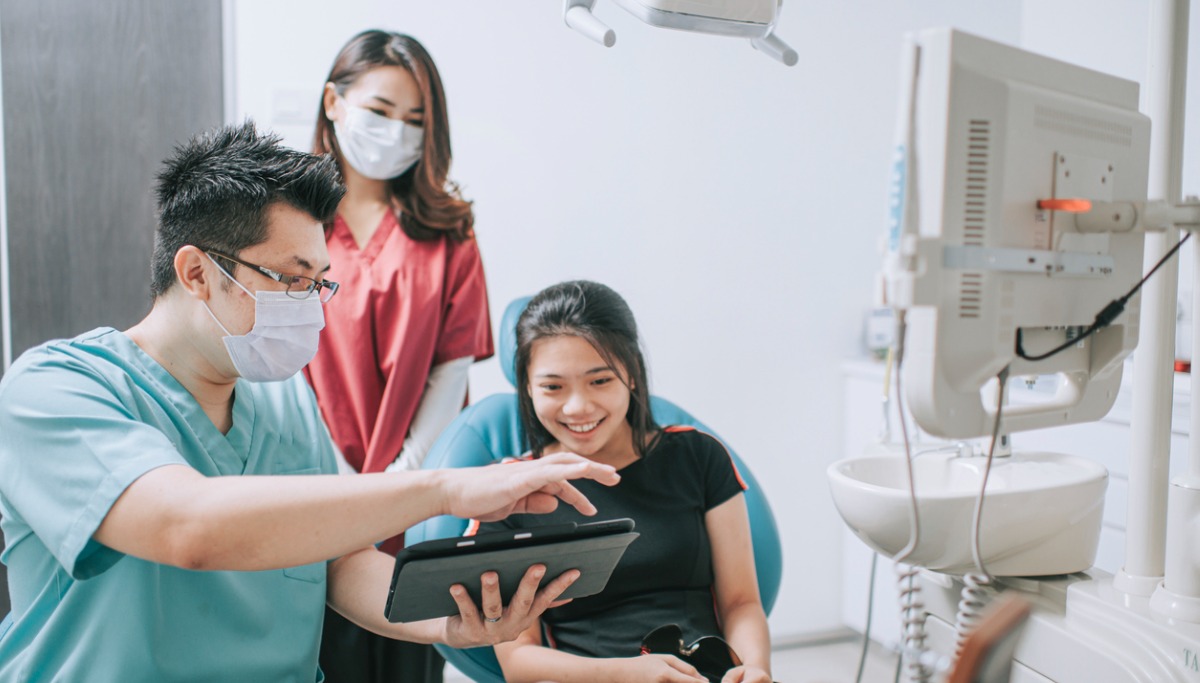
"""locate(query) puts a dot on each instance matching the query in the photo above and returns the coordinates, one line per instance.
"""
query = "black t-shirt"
(666, 576)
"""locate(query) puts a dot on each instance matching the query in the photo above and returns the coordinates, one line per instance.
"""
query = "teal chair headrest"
(508, 337)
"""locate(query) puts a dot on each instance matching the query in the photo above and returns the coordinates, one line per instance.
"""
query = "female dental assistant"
(391, 371)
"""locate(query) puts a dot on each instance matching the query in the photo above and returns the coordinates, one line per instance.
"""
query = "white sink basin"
(1041, 516)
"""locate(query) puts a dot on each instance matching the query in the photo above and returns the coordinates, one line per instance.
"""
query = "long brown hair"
(431, 205)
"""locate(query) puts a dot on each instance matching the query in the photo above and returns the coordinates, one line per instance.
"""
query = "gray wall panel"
(95, 95)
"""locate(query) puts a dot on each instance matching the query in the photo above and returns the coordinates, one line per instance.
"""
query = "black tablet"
(424, 572)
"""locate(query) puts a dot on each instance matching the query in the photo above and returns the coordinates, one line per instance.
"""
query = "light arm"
(526, 660)
(441, 401)
(175, 515)
(736, 584)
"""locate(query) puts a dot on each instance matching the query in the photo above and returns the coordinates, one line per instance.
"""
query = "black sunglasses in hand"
(711, 655)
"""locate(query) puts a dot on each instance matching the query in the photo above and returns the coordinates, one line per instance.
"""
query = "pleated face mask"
(376, 146)
(283, 339)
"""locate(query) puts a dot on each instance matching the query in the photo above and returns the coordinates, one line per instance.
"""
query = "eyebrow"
(384, 100)
(303, 263)
(593, 371)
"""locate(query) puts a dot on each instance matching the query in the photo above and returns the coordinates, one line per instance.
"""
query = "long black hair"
(597, 314)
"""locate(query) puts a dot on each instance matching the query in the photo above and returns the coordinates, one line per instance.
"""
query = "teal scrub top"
(80, 420)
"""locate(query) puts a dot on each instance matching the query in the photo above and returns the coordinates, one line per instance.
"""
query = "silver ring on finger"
(492, 620)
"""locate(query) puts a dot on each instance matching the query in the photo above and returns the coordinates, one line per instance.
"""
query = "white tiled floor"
(835, 662)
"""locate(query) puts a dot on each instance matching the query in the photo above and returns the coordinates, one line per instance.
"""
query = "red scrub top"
(404, 306)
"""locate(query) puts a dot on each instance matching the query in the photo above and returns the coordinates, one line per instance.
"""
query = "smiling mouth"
(582, 428)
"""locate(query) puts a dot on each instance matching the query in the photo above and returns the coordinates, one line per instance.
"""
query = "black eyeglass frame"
(308, 284)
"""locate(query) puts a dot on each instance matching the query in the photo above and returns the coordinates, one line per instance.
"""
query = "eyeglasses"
(711, 655)
(298, 286)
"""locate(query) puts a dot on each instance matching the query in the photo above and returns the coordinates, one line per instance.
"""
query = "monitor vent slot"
(1087, 127)
(979, 141)
(970, 297)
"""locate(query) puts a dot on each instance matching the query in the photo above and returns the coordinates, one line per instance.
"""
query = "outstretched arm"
(174, 515)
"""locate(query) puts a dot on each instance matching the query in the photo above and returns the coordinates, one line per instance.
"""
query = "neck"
(175, 341)
(364, 191)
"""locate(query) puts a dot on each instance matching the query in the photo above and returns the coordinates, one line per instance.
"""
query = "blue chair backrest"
(490, 430)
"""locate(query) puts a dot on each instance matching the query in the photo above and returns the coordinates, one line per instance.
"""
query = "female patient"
(582, 388)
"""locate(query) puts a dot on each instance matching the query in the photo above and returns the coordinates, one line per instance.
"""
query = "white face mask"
(376, 146)
(284, 337)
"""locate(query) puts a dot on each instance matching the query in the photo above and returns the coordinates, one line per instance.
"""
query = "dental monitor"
(995, 147)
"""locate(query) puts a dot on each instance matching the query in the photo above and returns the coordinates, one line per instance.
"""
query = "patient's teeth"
(583, 427)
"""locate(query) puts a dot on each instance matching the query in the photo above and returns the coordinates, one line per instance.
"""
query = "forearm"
(528, 663)
(270, 522)
(745, 629)
(442, 401)
(358, 590)
(174, 515)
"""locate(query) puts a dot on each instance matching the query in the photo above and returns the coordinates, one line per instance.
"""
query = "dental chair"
(490, 430)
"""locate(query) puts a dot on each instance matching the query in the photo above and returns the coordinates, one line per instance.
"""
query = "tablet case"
(424, 572)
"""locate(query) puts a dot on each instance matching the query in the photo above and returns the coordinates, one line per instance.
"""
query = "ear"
(191, 272)
(329, 101)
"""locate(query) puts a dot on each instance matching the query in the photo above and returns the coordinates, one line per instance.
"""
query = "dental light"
(753, 19)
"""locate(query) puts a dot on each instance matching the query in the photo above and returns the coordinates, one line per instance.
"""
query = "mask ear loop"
(214, 317)
(232, 279)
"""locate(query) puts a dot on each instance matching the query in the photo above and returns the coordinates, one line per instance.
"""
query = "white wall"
(733, 201)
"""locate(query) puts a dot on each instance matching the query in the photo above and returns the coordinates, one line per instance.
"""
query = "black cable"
(1105, 317)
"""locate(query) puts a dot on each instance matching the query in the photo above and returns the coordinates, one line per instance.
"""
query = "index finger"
(571, 496)
(572, 466)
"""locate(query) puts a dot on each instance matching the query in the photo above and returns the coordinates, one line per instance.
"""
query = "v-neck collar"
(228, 453)
(368, 251)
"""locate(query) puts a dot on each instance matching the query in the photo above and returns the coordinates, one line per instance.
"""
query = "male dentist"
(139, 546)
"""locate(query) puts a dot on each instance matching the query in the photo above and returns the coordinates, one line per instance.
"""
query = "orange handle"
(1068, 205)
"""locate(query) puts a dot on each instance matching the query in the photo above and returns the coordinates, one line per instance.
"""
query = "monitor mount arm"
(748, 23)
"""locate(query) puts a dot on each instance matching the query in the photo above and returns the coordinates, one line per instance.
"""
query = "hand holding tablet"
(473, 628)
(519, 561)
